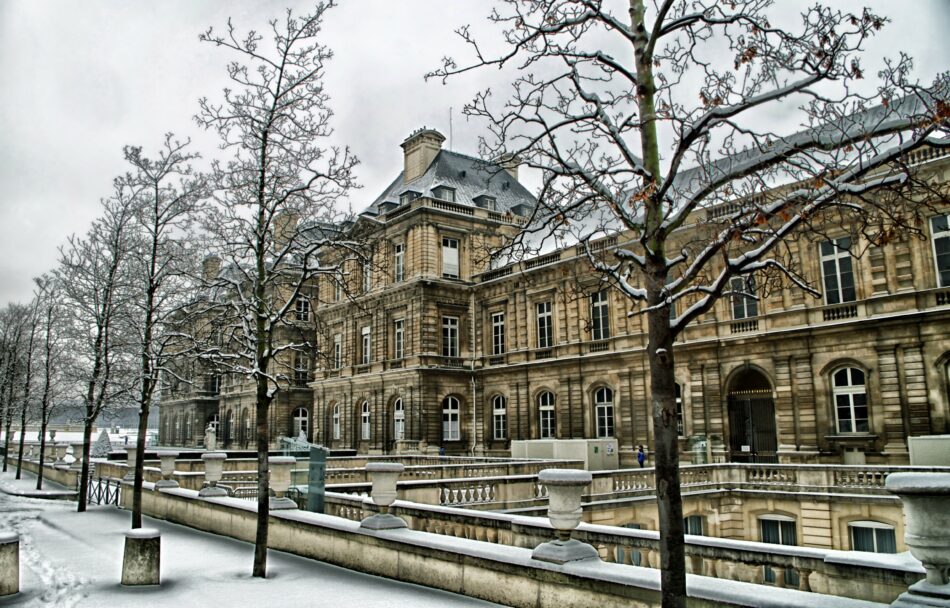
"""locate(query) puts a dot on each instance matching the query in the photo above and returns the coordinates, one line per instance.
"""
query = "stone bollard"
(214, 467)
(78, 455)
(280, 468)
(132, 455)
(565, 487)
(9, 563)
(141, 562)
(29, 453)
(385, 475)
(925, 497)
(168, 470)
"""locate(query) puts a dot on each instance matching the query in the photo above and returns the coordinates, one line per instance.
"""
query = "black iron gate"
(752, 428)
(103, 491)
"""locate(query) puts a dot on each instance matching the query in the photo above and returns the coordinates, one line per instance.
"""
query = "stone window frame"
(934, 235)
(836, 256)
(451, 342)
(547, 424)
(336, 425)
(399, 419)
(445, 241)
(599, 323)
(549, 315)
(499, 339)
(296, 418)
(743, 297)
(873, 524)
(835, 391)
(399, 261)
(399, 338)
(302, 309)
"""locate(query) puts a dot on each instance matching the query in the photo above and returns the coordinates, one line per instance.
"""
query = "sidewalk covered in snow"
(72, 559)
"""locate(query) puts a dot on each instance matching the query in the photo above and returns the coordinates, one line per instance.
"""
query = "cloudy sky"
(78, 80)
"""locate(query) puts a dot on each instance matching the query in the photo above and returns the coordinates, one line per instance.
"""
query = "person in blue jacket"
(641, 455)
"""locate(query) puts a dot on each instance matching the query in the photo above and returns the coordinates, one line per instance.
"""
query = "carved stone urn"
(168, 470)
(384, 476)
(280, 471)
(214, 468)
(565, 488)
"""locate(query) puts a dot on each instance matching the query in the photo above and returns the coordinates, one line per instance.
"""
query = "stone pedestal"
(132, 453)
(141, 562)
(9, 563)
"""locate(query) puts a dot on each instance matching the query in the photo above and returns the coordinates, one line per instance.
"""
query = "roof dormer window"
(486, 202)
(407, 197)
(444, 193)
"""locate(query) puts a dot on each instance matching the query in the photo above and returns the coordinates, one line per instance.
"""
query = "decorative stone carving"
(565, 487)
(211, 438)
(214, 468)
(280, 471)
(926, 497)
(384, 476)
(168, 470)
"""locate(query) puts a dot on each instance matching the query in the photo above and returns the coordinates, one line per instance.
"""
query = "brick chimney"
(419, 150)
(210, 267)
(509, 162)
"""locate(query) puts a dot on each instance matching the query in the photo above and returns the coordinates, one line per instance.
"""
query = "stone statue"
(211, 442)
(302, 437)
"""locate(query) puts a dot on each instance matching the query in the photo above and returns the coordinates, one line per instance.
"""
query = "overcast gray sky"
(78, 80)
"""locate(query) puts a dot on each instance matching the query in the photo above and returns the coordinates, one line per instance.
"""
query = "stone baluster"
(167, 459)
(925, 497)
(214, 468)
(565, 487)
(132, 454)
(61, 449)
(384, 475)
(78, 455)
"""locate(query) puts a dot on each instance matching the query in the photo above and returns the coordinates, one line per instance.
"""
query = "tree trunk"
(39, 473)
(139, 466)
(19, 458)
(87, 450)
(6, 441)
(666, 461)
(263, 480)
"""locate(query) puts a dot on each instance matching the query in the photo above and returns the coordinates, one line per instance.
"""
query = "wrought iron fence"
(103, 491)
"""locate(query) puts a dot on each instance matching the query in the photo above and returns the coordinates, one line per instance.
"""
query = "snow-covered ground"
(70, 559)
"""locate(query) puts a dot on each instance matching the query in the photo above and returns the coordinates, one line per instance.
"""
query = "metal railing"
(103, 491)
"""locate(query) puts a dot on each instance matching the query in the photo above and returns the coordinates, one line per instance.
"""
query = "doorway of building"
(752, 418)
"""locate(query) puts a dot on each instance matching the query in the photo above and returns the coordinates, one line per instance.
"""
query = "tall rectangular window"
(338, 287)
(940, 232)
(872, 536)
(498, 333)
(337, 351)
(399, 339)
(779, 530)
(599, 316)
(744, 303)
(499, 417)
(837, 272)
(399, 263)
(301, 369)
(367, 276)
(302, 309)
(450, 258)
(450, 337)
(367, 345)
(545, 325)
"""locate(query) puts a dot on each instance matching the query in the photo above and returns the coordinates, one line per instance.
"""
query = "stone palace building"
(430, 346)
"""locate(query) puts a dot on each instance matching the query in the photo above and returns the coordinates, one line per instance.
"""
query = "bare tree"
(53, 360)
(95, 292)
(643, 121)
(164, 192)
(12, 319)
(277, 200)
(30, 323)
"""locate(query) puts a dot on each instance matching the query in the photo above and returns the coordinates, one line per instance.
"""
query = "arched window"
(229, 426)
(365, 429)
(301, 422)
(604, 412)
(872, 536)
(399, 420)
(245, 427)
(499, 416)
(215, 421)
(851, 400)
(546, 416)
(450, 419)
(678, 395)
(336, 421)
(178, 436)
(188, 432)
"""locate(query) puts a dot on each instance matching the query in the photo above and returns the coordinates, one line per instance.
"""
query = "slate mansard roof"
(470, 177)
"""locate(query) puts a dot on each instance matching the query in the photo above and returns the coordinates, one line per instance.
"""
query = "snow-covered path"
(70, 559)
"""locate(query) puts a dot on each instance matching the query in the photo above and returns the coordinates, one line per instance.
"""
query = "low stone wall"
(492, 572)
(64, 476)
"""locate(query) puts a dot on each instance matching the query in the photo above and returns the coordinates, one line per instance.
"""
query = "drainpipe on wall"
(473, 343)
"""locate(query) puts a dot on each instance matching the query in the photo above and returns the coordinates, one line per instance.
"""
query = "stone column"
(784, 411)
(141, 562)
(9, 563)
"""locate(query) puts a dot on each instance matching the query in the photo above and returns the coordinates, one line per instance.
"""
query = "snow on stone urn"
(168, 470)
(926, 497)
(565, 488)
(280, 471)
(385, 475)
(214, 467)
